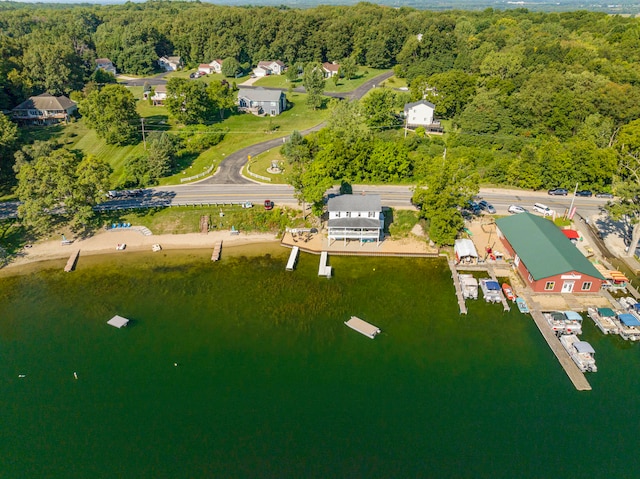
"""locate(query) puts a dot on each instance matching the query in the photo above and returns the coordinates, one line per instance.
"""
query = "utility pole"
(573, 199)
(144, 140)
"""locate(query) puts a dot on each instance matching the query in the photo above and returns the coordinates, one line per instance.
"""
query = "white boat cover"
(572, 316)
(465, 248)
(584, 347)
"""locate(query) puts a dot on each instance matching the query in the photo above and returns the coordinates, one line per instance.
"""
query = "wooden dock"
(368, 329)
(204, 224)
(71, 263)
(293, 257)
(217, 249)
(575, 375)
(324, 269)
(458, 286)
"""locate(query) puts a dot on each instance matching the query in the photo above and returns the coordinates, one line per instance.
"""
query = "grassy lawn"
(260, 163)
(394, 82)
(245, 130)
(401, 222)
(186, 219)
(364, 74)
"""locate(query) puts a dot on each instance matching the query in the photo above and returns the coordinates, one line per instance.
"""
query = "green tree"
(313, 82)
(449, 186)
(160, 155)
(379, 109)
(348, 68)
(222, 96)
(61, 179)
(230, 67)
(188, 101)
(112, 112)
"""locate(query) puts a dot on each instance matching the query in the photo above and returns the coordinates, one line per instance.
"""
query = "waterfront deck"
(71, 263)
(575, 375)
(217, 250)
(457, 286)
(293, 258)
(368, 329)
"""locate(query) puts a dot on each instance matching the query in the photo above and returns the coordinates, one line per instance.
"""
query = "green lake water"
(271, 384)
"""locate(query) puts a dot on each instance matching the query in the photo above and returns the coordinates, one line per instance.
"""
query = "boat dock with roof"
(293, 257)
(368, 329)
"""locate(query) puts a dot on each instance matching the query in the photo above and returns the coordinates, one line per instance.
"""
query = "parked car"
(586, 193)
(558, 192)
(602, 194)
(542, 209)
(247, 204)
(488, 207)
(515, 209)
(473, 207)
(268, 205)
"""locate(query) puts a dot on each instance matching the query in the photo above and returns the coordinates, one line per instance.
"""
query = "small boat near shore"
(580, 351)
(156, 247)
(604, 319)
(628, 326)
(522, 305)
(508, 292)
(121, 246)
(490, 290)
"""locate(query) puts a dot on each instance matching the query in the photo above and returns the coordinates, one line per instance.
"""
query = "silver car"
(515, 209)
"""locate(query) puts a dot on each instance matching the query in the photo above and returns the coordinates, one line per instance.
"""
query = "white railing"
(255, 175)
(199, 175)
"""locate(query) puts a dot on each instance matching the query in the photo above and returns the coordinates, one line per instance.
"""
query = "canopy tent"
(571, 234)
(465, 250)
(572, 316)
(628, 319)
(584, 347)
(606, 312)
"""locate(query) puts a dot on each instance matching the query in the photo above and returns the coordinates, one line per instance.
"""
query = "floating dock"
(458, 286)
(293, 258)
(73, 259)
(324, 269)
(575, 375)
(118, 322)
(357, 324)
(217, 249)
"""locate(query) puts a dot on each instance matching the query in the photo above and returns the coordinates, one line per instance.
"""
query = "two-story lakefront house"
(44, 109)
(355, 217)
(261, 102)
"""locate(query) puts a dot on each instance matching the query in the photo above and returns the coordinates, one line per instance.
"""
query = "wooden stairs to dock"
(204, 224)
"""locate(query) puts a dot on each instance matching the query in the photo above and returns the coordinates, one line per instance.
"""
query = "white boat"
(628, 326)
(564, 322)
(580, 351)
(121, 246)
(604, 319)
(490, 290)
(469, 286)
(156, 247)
(522, 305)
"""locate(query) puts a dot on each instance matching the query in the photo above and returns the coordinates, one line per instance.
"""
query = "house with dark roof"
(355, 217)
(44, 109)
(545, 258)
(260, 101)
(106, 65)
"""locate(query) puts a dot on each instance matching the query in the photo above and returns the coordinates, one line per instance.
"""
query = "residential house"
(330, 69)
(216, 66)
(546, 259)
(205, 68)
(44, 109)
(262, 102)
(271, 67)
(355, 217)
(106, 65)
(170, 63)
(158, 97)
(420, 114)
(261, 71)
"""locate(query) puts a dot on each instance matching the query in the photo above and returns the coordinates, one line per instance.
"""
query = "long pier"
(71, 263)
(458, 286)
(576, 376)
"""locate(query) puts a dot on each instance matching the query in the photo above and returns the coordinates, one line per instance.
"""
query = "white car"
(542, 209)
(515, 209)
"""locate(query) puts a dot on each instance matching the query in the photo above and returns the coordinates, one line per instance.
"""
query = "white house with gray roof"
(419, 113)
(355, 217)
(260, 101)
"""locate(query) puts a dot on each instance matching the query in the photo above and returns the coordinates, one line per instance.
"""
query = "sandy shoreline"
(104, 242)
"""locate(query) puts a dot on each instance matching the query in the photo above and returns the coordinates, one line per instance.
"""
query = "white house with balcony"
(355, 217)
(419, 113)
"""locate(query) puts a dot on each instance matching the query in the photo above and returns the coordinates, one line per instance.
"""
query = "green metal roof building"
(544, 256)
